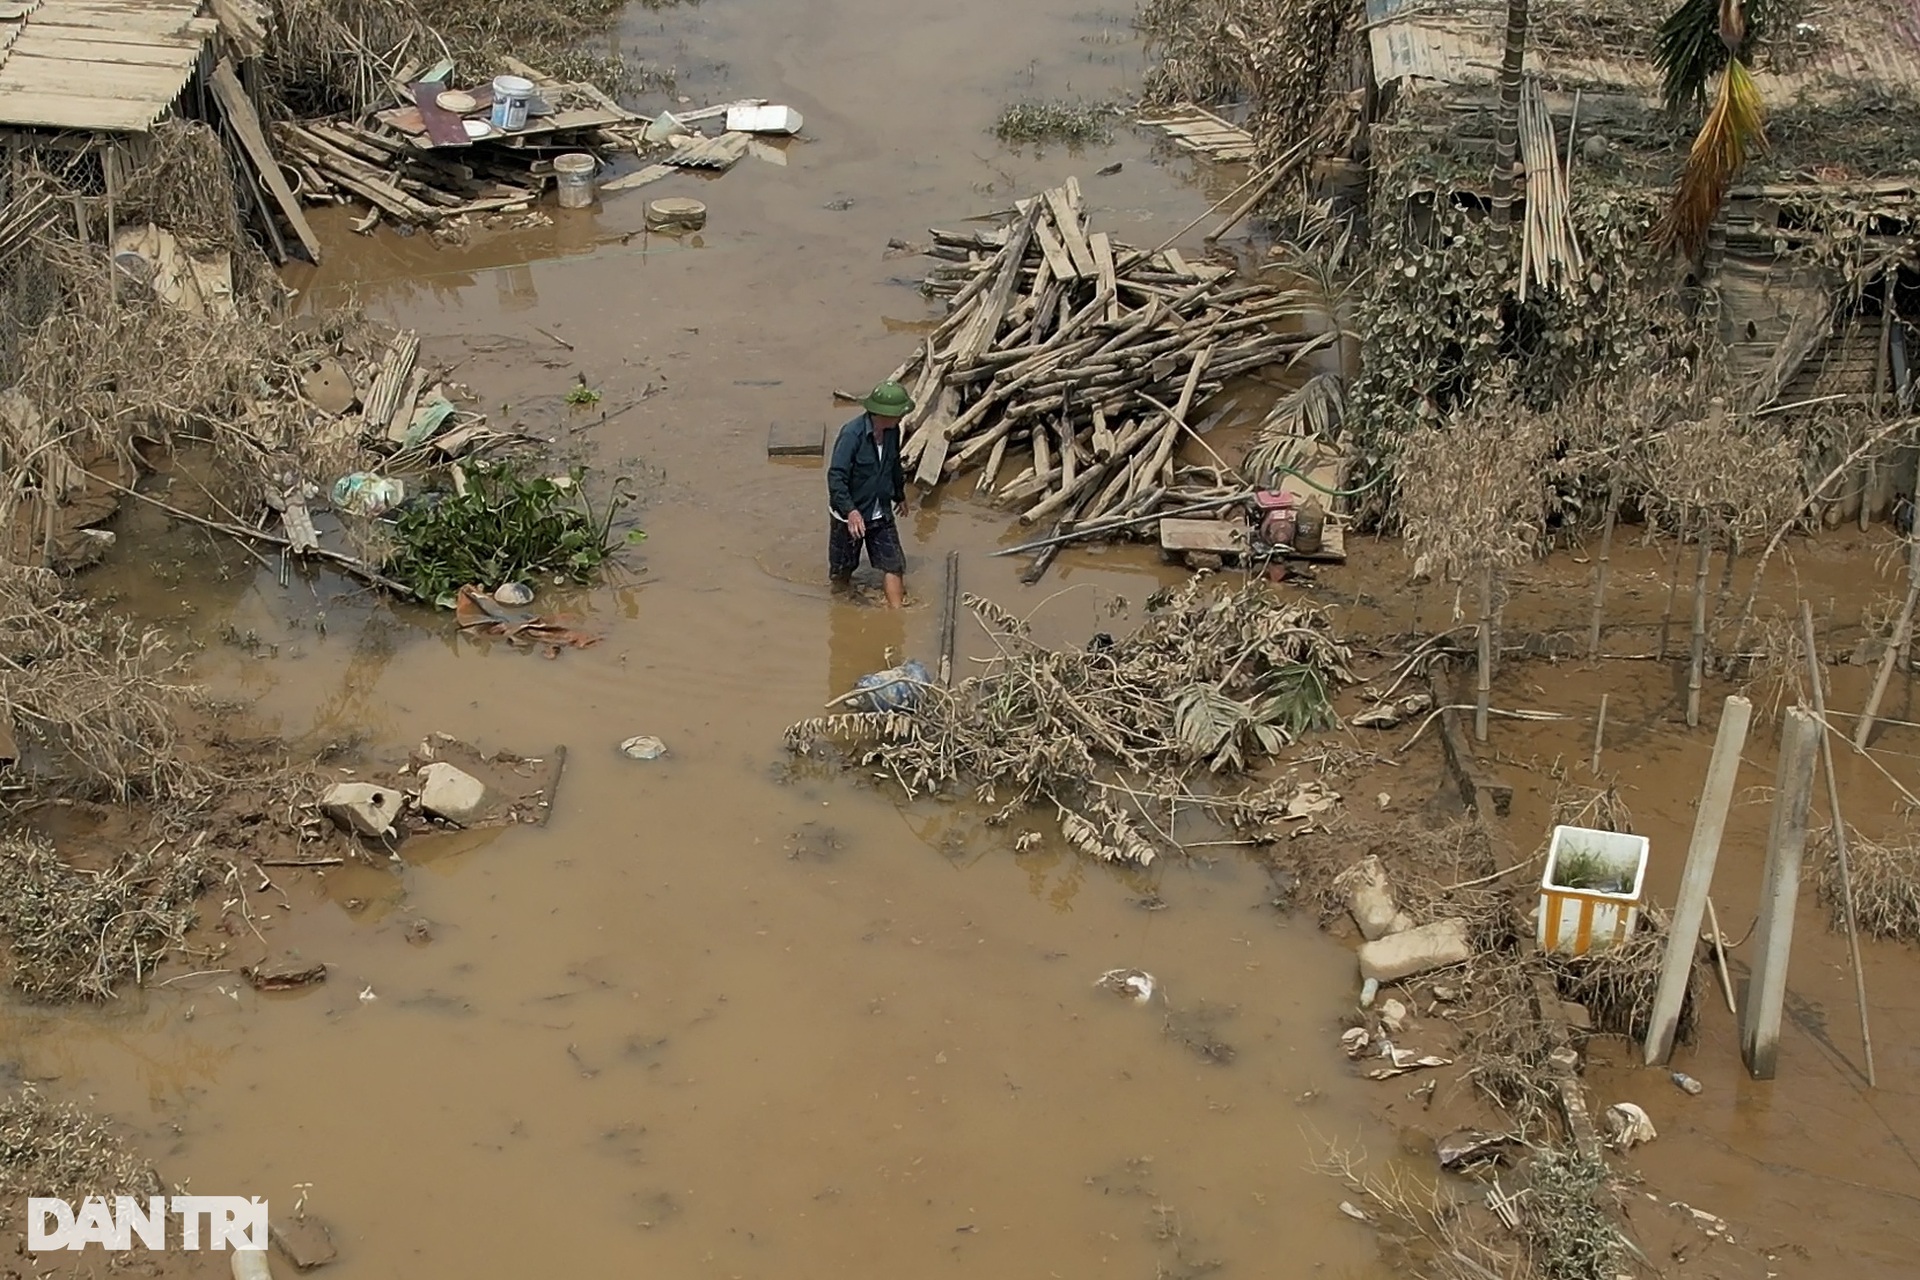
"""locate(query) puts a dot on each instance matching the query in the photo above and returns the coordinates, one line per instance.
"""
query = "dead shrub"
(56, 1149)
(1886, 885)
(77, 934)
(1617, 984)
(92, 700)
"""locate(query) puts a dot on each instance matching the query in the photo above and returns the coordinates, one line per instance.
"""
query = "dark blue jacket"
(865, 475)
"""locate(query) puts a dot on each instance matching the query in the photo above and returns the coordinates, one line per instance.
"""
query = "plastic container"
(1580, 917)
(763, 120)
(511, 96)
(573, 176)
(676, 213)
(250, 1264)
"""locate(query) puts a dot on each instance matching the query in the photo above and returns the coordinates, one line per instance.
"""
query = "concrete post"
(1779, 894)
(1709, 823)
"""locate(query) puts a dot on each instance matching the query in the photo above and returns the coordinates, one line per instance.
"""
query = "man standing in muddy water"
(867, 491)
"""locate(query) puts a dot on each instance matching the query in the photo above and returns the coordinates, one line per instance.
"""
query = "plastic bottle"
(1687, 1082)
(251, 1264)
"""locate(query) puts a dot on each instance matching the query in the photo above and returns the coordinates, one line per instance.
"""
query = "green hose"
(1310, 482)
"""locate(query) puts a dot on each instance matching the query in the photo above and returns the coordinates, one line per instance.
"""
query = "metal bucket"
(573, 176)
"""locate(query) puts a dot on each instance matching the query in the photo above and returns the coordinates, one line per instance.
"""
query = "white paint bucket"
(511, 94)
(1578, 914)
(573, 178)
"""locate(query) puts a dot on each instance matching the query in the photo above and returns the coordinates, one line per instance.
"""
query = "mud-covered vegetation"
(1211, 683)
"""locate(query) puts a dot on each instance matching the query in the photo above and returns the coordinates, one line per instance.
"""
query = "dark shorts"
(882, 543)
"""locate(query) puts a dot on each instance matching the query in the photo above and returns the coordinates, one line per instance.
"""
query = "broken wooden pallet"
(1198, 129)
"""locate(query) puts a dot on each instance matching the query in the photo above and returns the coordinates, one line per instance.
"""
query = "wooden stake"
(1709, 824)
(1602, 566)
(1819, 699)
(1599, 734)
(1779, 894)
(949, 618)
(1484, 690)
(109, 172)
(1720, 959)
(1895, 642)
(1697, 652)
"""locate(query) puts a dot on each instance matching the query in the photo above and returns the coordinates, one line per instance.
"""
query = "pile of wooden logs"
(1076, 363)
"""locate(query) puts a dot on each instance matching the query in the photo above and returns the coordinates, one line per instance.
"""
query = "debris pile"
(438, 154)
(444, 783)
(1209, 683)
(1070, 365)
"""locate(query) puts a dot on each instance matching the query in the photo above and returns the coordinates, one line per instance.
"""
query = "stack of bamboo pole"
(1068, 366)
(1549, 248)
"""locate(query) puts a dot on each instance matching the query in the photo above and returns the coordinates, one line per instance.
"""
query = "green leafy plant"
(582, 394)
(1581, 867)
(1212, 726)
(505, 527)
(1074, 123)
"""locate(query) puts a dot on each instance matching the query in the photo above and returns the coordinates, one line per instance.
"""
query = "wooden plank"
(239, 113)
(1102, 246)
(156, 86)
(1219, 537)
(62, 49)
(69, 111)
(946, 406)
(133, 22)
(1056, 254)
(796, 440)
(1070, 234)
(298, 523)
(443, 126)
(185, 40)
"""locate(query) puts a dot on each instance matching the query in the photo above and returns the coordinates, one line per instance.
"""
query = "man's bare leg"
(896, 590)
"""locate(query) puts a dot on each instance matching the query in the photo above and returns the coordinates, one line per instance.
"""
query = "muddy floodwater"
(729, 1016)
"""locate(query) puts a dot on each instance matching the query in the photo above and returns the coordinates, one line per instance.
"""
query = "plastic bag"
(366, 494)
(895, 689)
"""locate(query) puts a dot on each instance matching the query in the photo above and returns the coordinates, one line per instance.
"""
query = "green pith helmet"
(889, 400)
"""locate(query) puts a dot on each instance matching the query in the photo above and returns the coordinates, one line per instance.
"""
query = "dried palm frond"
(1110, 836)
(1310, 412)
(1734, 129)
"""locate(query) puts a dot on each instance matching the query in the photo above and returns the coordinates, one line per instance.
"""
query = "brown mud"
(727, 1014)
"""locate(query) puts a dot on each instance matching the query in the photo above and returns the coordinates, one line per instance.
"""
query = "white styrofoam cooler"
(1576, 921)
(768, 119)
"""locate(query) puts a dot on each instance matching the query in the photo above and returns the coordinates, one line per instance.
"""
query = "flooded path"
(726, 1017)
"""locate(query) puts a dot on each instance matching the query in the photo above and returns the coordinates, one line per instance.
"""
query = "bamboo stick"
(1603, 566)
(1698, 645)
(1483, 692)
(1819, 698)
(1864, 730)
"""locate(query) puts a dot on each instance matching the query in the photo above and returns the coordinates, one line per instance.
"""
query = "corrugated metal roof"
(108, 65)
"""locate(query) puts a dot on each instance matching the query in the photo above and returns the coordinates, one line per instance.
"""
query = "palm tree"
(1506, 137)
(1686, 53)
